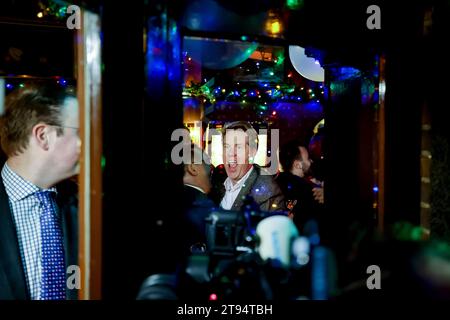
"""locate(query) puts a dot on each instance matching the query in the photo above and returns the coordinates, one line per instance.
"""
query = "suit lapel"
(245, 190)
(10, 260)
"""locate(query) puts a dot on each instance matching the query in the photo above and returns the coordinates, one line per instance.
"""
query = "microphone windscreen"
(276, 234)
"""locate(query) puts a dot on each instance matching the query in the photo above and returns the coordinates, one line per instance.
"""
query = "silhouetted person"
(197, 205)
(296, 187)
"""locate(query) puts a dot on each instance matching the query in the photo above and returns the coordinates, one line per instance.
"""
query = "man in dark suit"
(38, 214)
(303, 194)
(197, 205)
(240, 144)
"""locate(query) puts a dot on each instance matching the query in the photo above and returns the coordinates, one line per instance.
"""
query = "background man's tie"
(53, 283)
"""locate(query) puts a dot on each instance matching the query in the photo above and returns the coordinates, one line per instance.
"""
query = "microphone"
(276, 234)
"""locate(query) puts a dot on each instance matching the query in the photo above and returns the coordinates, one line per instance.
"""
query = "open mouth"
(232, 164)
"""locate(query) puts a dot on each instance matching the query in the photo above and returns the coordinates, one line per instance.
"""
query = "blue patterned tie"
(53, 281)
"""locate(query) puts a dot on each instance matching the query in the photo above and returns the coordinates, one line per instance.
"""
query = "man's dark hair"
(244, 126)
(25, 107)
(289, 153)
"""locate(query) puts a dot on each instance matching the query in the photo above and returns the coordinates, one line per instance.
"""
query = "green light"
(61, 12)
(294, 4)
(205, 89)
(103, 162)
(416, 233)
(271, 73)
(244, 38)
(280, 60)
(262, 107)
(21, 85)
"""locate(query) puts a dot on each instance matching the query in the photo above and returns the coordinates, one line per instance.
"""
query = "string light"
(17, 82)
(273, 24)
(52, 9)
(213, 297)
(282, 92)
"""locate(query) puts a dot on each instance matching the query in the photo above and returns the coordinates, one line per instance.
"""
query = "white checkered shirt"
(26, 210)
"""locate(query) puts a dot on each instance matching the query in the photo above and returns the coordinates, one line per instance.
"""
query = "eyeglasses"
(78, 129)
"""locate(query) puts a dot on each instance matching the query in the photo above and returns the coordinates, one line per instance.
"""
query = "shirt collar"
(195, 187)
(17, 187)
(229, 185)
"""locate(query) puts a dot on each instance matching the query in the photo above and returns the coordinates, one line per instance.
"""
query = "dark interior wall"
(406, 75)
(124, 208)
(436, 89)
(403, 129)
(163, 112)
(142, 106)
(348, 160)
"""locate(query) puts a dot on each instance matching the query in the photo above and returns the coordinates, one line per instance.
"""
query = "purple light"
(298, 98)
(9, 86)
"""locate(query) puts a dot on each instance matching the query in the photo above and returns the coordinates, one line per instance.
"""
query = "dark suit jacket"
(296, 188)
(197, 207)
(262, 188)
(13, 284)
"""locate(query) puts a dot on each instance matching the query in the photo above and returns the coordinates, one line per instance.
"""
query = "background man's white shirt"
(232, 191)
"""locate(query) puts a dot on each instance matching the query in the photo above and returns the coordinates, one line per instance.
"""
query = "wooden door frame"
(88, 74)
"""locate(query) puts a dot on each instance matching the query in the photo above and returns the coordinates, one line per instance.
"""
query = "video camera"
(230, 233)
(255, 255)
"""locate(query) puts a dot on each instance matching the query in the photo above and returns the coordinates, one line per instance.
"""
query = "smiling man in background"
(244, 178)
